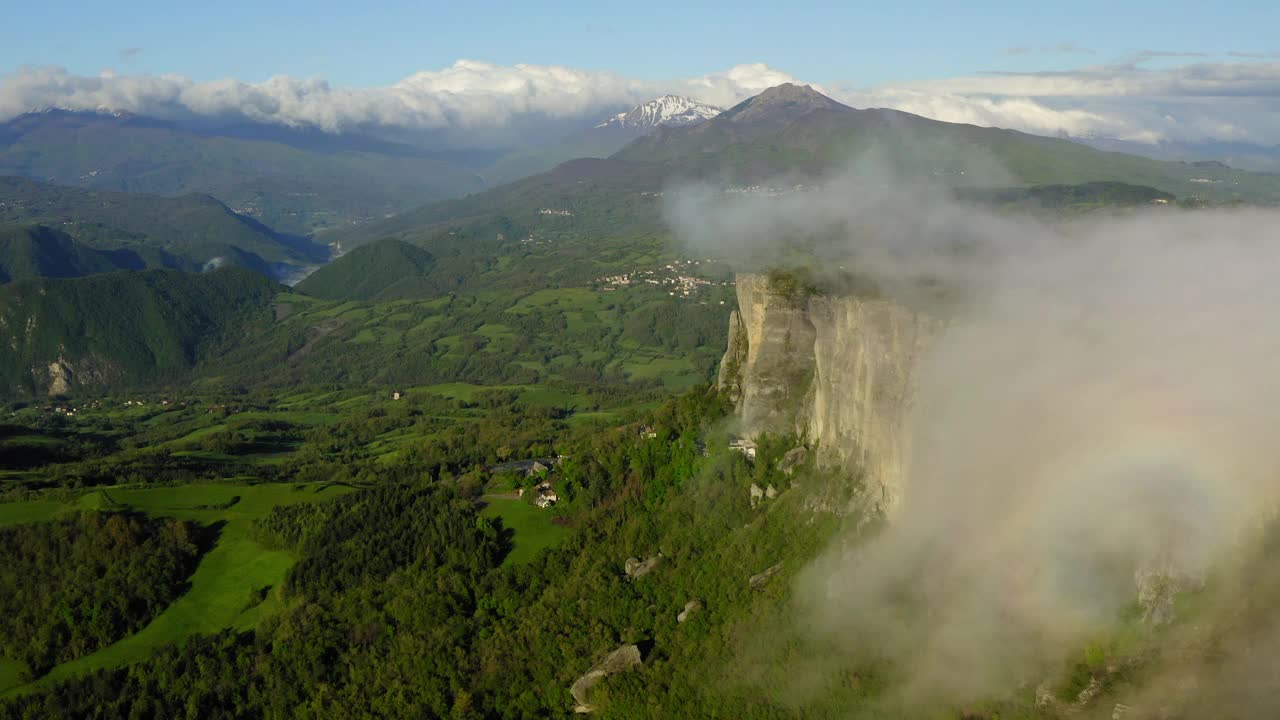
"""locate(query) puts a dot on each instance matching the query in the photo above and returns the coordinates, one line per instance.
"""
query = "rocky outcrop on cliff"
(836, 370)
(770, 360)
(624, 658)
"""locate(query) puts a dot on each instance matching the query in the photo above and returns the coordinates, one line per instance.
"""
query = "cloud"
(1225, 101)
(468, 94)
(130, 53)
(1064, 48)
(484, 104)
(1144, 55)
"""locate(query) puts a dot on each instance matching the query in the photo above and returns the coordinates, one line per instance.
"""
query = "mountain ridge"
(672, 110)
(190, 230)
(310, 183)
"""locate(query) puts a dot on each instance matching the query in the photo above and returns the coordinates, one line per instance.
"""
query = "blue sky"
(862, 44)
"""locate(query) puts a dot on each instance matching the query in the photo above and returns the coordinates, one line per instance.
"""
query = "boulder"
(620, 660)
(690, 608)
(757, 494)
(771, 492)
(794, 458)
(758, 581)
(637, 568)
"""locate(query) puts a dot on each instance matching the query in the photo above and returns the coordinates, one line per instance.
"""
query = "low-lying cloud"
(1099, 403)
(466, 95)
(1200, 101)
(1196, 102)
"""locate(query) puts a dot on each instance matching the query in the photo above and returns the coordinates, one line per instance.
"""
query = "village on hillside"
(677, 277)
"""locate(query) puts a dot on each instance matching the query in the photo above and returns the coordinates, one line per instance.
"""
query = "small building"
(745, 446)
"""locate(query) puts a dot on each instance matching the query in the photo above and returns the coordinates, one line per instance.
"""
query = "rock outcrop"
(760, 579)
(690, 609)
(794, 458)
(637, 568)
(620, 660)
(836, 370)
(60, 377)
(1158, 585)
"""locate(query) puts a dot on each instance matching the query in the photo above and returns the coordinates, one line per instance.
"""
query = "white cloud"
(1226, 101)
(466, 95)
(1231, 101)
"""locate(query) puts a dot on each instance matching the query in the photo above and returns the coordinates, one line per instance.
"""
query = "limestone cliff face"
(836, 370)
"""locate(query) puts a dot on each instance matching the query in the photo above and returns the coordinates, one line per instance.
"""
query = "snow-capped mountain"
(668, 110)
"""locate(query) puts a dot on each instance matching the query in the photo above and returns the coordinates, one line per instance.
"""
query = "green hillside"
(795, 130)
(382, 270)
(35, 251)
(291, 187)
(785, 135)
(586, 218)
(194, 229)
(119, 328)
(598, 142)
(1069, 197)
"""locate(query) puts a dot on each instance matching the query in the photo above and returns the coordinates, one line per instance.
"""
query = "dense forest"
(401, 606)
(77, 584)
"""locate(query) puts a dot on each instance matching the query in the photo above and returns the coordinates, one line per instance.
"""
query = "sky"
(1137, 70)
(864, 43)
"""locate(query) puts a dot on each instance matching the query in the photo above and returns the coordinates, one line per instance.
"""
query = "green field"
(221, 587)
(33, 511)
(532, 526)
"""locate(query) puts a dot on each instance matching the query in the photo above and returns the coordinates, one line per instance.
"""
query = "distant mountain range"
(1244, 156)
(795, 130)
(296, 181)
(602, 140)
(188, 232)
(795, 133)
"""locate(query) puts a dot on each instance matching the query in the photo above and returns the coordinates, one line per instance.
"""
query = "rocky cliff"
(836, 370)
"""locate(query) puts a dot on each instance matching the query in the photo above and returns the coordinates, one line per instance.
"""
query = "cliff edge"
(836, 370)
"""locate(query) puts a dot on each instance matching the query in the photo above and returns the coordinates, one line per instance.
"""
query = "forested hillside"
(189, 231)
(38, 251)
(382, 270)
(119, 329)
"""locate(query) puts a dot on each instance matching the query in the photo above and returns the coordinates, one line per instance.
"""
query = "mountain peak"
(666, 111)
(786, 101)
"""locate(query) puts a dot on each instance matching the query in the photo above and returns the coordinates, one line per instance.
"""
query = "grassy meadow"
(225, 589)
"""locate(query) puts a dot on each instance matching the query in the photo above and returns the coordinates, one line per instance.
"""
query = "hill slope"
(382, 270)
(119, 328)
(35, 251)
(788, 134)
(792, 129)
(298, 187)
(194, 229)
